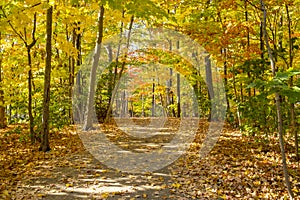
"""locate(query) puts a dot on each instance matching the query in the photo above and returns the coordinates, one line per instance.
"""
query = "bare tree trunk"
(117, 78)
(3, 123)
(171, 111)
(153, 100)
(88, 121)
(45, 146)
(278, 106)
(209, 82)
(178, 89)
(31, 131)
(114, 77)
(248, 43)
(31, 122)
(76, 42)
(110, 82)
(72, 75)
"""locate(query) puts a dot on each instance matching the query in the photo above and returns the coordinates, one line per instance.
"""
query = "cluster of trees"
(255, 45)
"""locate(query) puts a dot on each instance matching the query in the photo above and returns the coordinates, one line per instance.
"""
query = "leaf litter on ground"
(238, 167)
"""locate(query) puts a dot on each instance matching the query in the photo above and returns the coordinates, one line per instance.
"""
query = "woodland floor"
(238, 167)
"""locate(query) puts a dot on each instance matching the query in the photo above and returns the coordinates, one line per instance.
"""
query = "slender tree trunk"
(290, 65)
(3, 123)
(178, 89)
(248, 44)
(178, 96)
(238, 113)
(45, 146)
(153, 99)
(119, 75)
(209, 82)
(225, 78)
(76, 42)
(170, 85)
(143, 109)
(88, 122)
(31, 125)
(110, 82)
(278, 106)
(118, 51)
(28, 48)
(115, 75)
(71, 75)
(71, 84)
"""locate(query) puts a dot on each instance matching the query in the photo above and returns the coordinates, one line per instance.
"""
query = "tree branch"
(13, 28)
(33, 33)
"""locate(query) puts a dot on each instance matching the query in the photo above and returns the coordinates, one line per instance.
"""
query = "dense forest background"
(254, 45)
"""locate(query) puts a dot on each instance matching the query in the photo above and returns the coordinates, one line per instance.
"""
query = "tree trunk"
(178, 90)
(31, 131)
(76, 42)
(31, 119)
(224, 51)
(115, 74)
(45, 130)
(118, 76)
(278, 106)
(153, 100)
(248, 44)
(3, 123)
(71, 75)
(290, 65)
(209, 82)
(110, 82)
(28, 47)
(88, 122)
(171, 111)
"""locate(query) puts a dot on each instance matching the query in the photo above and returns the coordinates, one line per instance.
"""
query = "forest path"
(238, 167)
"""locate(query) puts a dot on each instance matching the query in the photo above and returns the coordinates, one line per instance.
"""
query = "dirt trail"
(238, 167)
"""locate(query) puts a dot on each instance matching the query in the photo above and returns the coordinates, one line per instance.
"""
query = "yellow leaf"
(295, 190)
(40, 195)
(105, 195)
(29, 165)
(256, 183)
(69, 185)
(176, 185)
(144, 195)
(5, 193)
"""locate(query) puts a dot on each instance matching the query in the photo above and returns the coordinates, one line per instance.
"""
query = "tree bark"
(178, 89)
(224, 51)
(3, 123)
(209, 82)
(153, 100)
(88, 122)
(278, 106)
(248, 44)
(46, 101)
(290, 65)
(31, 125)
